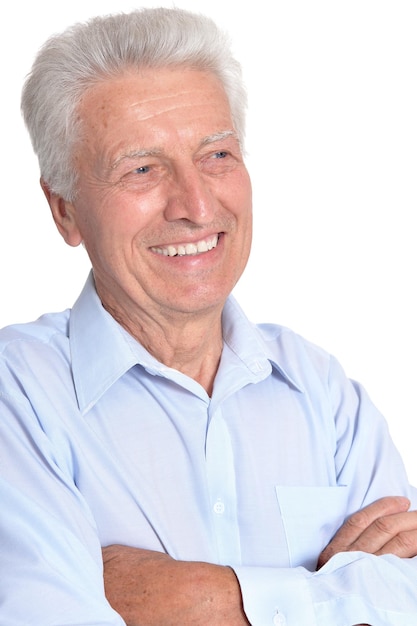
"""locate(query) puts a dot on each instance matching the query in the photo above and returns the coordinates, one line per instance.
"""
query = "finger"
(357, 523)
(360, 521)
(403, 545)
(383, 530)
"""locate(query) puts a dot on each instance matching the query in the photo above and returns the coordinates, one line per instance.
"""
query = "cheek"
(243, 212)
(241, 195)
(105, 218)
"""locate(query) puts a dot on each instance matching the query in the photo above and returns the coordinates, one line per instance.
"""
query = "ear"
(64, 215)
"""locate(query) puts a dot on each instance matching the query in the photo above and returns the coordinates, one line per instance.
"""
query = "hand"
(384, 527)
(150, 588)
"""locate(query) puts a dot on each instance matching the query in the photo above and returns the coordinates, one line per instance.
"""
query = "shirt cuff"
(276, 597)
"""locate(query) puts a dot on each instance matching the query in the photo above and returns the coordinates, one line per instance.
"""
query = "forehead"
(155, 100)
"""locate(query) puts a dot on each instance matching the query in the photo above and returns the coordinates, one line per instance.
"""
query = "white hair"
(103, 47)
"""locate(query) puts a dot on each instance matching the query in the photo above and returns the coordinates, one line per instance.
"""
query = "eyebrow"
(225, 134)
(135, 154)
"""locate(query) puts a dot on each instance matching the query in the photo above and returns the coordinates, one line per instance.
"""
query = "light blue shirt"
(101, 444)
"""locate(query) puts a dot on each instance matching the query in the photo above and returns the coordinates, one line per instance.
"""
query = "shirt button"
(279, 620)
(219, 508)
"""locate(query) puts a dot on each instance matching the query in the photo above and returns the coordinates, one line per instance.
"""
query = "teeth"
(189, 248)
(202, 246)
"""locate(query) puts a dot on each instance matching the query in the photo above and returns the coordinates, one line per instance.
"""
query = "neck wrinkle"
(192, 345)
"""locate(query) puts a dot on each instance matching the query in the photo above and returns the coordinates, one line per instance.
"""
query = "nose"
(190, 198)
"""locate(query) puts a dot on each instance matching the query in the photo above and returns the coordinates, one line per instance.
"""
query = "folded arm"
(150, 588)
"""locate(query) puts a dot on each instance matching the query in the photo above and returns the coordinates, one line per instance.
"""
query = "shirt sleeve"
(51, 570)
(352, 588)
(45, 570)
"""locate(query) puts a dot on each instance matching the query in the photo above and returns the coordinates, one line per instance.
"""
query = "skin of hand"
(150, 588)
(383, 527)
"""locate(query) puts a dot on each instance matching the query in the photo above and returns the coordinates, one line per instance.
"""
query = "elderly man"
(205, 461)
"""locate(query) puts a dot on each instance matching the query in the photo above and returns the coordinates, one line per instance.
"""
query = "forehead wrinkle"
(166, 107)
(176, 93)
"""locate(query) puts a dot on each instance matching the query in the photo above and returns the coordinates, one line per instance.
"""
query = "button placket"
(222, 489)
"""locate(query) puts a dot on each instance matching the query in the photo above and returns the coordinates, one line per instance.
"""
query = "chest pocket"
(310, 516)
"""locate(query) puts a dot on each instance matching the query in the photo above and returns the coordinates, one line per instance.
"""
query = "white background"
(332, 142)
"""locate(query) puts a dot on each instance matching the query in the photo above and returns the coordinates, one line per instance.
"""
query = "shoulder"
(25, 346)
(311, 367)
(285, 343)
(40, 330)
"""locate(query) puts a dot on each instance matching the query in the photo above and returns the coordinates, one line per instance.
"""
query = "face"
(164, 199)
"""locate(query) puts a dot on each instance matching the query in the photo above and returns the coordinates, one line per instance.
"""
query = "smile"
(189, 249)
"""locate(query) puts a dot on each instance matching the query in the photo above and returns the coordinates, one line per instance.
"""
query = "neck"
(188, 342)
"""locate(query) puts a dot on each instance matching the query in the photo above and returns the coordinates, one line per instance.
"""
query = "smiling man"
(163, 207)
(164, 461)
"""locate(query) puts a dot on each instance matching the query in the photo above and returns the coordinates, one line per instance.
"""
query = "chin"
(198, 303)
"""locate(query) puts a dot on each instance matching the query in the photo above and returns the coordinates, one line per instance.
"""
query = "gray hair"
(103, 47)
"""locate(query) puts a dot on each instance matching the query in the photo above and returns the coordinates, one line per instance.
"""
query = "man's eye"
(144, 169)
(221, 154)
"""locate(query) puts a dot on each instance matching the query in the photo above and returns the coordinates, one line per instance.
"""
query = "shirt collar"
(102, 351)
(99, 354)
(260, 350)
